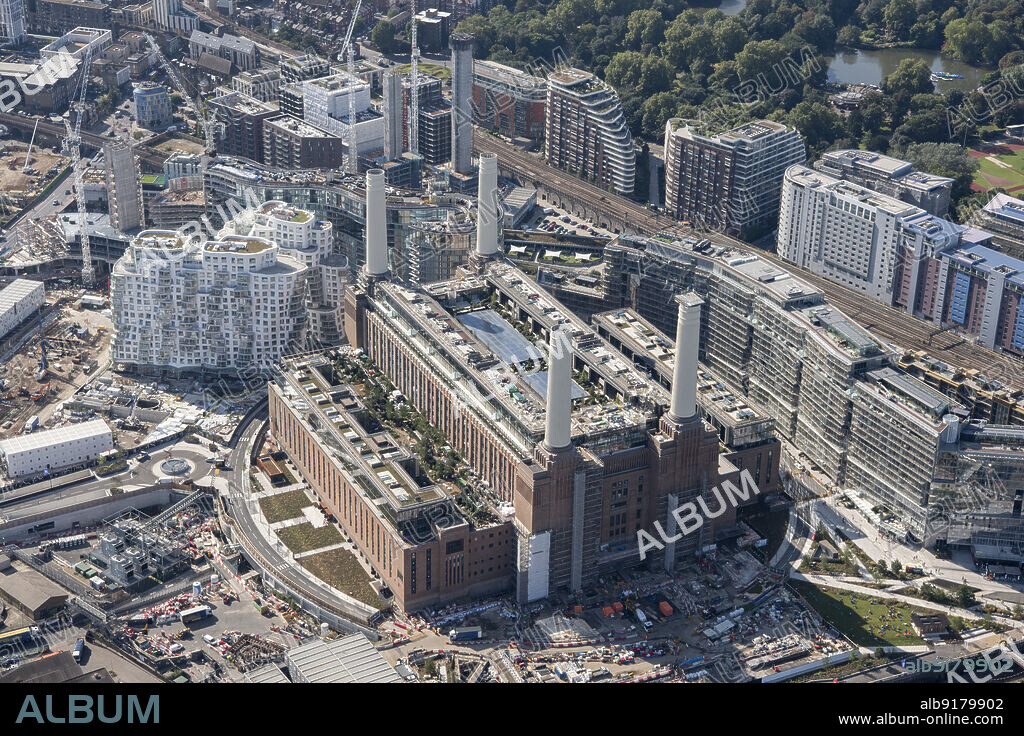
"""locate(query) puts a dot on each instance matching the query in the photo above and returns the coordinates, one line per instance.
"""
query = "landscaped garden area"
(340, 569)
(284, 505)
(867, 621)
(305, 537)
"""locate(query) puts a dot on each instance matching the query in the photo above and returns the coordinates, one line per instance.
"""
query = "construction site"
(25, 171)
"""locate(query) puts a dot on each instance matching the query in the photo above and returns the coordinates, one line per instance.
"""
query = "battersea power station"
(565, 449)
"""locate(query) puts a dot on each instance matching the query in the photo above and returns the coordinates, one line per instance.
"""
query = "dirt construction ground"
(13, 152)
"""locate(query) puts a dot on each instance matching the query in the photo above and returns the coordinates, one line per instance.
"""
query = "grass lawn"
(284, 505)
(866, 624)
(991, 174)
(306, 537)
(340, 569)
(435, 70)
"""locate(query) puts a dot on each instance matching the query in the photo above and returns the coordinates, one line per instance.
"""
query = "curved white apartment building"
(304, 238)
(585, 131)
(223, 306)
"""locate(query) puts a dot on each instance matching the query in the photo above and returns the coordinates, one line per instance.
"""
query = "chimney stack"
(558, 419)
(684, 375)
(488, 210)
(376, 224)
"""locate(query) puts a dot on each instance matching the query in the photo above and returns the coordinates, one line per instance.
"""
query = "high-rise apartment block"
(307, 240)
(902, 256)
(289, 143)
(124, 188)
(242, 119)
(728, 181)
(222, 306)
(508, 101)
(326, 106)
(585, 131)
(171, 15)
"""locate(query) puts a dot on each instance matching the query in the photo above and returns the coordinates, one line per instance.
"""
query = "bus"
(76, 651)
(16, 636)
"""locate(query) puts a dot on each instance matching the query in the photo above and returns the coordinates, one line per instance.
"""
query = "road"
(885, 322)
(235, 495)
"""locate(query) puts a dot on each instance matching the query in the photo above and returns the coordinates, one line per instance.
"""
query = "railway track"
(887, 323)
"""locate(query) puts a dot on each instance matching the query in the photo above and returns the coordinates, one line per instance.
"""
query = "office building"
(243, 119)
(461, 45)
(224, 306)
(124, 191)
(260, 84)
(508, 101)
(171, 15)
(585, 131)
(326, 105)
(294, 144)
(55, 449)
(242, 53)
(57, 17)
(153, 109)
(728, 181)
(889, 176)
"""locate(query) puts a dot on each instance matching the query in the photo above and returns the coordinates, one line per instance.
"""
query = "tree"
(656, 75)
(965, 597)
(899, 16)
(896, 566)
(624, 70)
(818, 123)
(849, 36)
(383, 36)
(645, 28)
(758, 61)
(912, 76)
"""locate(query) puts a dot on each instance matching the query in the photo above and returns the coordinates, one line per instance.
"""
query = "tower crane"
(73, 146)
(414, 112)
(28, 155)
(209, 122)
(346, 48)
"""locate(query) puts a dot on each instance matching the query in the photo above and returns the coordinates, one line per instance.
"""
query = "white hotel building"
(223, 306)
(842, 231)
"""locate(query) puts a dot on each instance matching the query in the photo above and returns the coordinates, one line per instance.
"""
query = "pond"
(871, 66)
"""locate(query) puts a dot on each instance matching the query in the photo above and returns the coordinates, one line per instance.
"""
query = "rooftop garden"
(305, 537)
(340, 569)
(284, 506)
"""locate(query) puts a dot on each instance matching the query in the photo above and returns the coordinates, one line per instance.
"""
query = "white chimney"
(488, 209)
(376, 224)
(684, 375)
(557, 422)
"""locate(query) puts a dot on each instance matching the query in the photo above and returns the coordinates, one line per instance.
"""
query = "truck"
(913, 569)
(32, 423)
(465, 633)
(76, 651)
(194, 614)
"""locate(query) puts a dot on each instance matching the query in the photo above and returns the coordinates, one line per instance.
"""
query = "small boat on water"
(945, 76)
